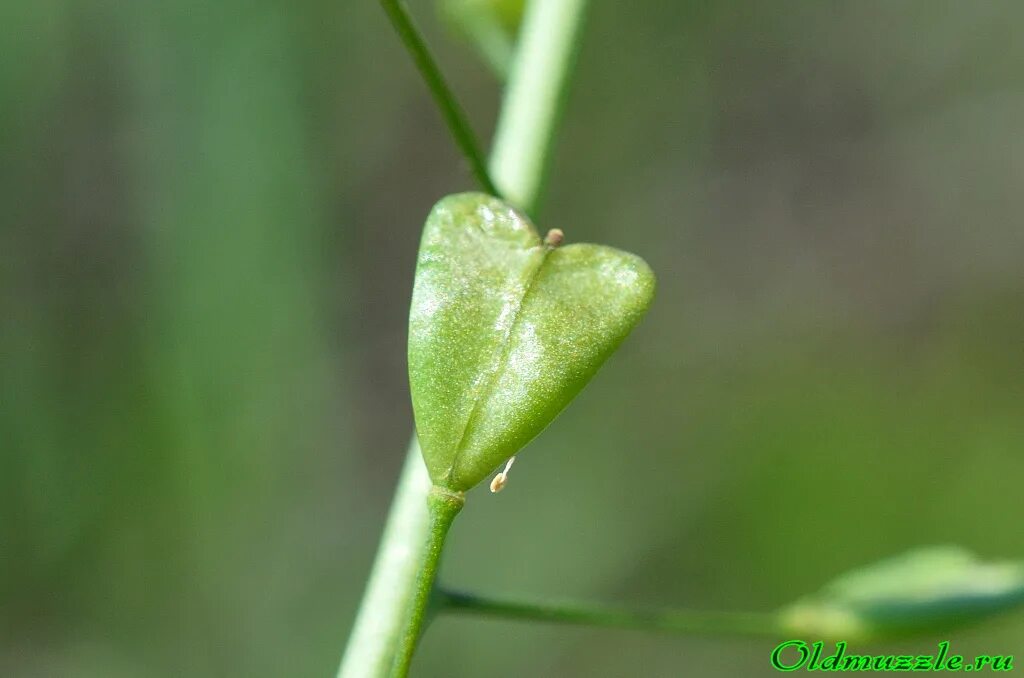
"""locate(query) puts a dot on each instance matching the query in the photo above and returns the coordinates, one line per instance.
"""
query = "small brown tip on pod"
(554, 237)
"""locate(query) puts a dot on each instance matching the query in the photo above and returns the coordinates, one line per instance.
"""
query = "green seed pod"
(505, 329)
(931, 589)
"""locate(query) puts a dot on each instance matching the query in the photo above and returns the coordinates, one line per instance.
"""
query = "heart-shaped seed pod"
(505, 329)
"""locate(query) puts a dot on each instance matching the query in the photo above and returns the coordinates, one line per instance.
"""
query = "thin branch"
(454, 116)
(693, 622)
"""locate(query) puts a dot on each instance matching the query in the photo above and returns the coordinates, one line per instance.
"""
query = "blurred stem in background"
(530, 111)
(534, 99)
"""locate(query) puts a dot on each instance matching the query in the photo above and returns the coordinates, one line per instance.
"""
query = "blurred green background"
(211, 213)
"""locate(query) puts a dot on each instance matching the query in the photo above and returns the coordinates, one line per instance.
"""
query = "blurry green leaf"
(505, 330)
(930, 589)
(491, 25)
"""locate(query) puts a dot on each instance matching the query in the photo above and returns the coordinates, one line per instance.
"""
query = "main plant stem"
(523, 139)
